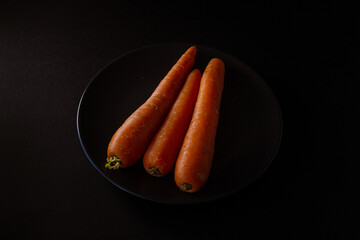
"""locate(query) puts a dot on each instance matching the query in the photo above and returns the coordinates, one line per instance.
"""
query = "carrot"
(195, 158)
(160, 156)
(130, 141)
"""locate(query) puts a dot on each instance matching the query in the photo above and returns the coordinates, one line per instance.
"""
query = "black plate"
(248, 135)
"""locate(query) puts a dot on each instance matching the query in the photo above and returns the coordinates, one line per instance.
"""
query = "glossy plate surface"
(248, 135)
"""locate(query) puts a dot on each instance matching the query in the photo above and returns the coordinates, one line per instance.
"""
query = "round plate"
(248, 134)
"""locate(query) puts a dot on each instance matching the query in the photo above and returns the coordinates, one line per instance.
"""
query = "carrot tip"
(113, 162)
(155, 171)
(186, 186)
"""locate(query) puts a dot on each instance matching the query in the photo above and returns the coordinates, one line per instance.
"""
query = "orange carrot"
(195, 158)
(130, 141)
(160, 156)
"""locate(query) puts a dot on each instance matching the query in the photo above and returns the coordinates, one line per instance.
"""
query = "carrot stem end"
(155, 171)
(186, 187)
(113, 163)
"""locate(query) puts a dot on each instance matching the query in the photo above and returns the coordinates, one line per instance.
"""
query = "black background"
(306, 51)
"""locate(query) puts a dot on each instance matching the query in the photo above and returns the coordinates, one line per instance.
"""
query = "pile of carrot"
(176, 127)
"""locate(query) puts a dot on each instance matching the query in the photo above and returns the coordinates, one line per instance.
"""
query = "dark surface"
(307, 52)
(249, 130)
